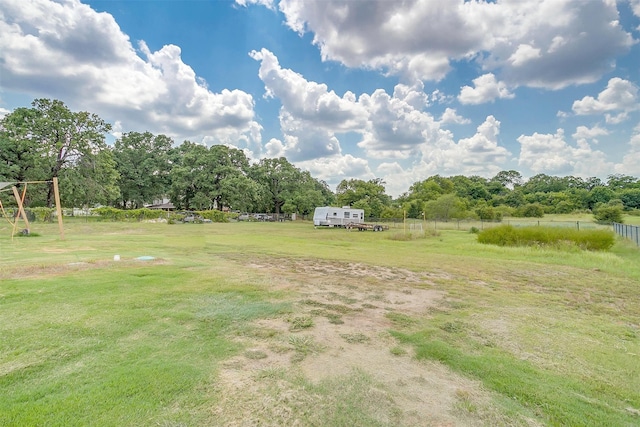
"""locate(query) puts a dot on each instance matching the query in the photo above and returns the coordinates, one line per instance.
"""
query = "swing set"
(20, 202)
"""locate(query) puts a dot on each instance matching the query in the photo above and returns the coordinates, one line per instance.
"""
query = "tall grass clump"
(507, 235)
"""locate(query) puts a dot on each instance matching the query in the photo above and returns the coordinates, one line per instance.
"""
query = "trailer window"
(346, 214)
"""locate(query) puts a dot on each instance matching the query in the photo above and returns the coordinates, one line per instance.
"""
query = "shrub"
(507, 235)
(530, 210)
(607, 214)
(42, 213)
(215, 215)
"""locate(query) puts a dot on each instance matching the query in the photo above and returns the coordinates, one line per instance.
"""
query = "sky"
(364, 89)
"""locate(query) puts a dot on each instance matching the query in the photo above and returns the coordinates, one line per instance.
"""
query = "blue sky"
(348, 89)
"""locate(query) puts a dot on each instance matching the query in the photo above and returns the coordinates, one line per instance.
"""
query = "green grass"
(86, 340)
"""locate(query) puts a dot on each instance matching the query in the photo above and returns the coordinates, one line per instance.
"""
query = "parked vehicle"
(337, 217)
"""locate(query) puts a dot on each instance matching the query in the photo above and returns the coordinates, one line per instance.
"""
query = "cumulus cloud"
(620, 95)
(584, 133)
(390, 126)
(67, 50)
(308, 100)
(630, 164)
(486, 89)
(542, 43)
(334, 169)
(451, 116)
(551, 154)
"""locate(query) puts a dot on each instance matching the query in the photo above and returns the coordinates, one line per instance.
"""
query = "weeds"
(507, 235)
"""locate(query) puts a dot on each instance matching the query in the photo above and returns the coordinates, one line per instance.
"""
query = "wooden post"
(23, 214)
(56, 194)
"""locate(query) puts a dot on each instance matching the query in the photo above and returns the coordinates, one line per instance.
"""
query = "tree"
(143, 163)
(92, 180)
(18, 152)
(630, 198)
(509, 179)
(277, 179)
(619, 182)
(599, 195)
(58, 138)
(445, 207)
(543, 183)
(190, 187)
(368, 195)
(608, 213)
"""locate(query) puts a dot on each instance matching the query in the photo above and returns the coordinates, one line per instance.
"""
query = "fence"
(631, 232)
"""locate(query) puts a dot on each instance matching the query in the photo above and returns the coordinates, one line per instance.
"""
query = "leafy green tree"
(18, 152)
(630, 198)
(543, 183)
(190, 186)
(368, 195)
(143, 162)
(57, 137)
(93, 180)
(618, 182)
(508, 179)
(445, 207)
(278, 180)
(599, 195)
(608, 213)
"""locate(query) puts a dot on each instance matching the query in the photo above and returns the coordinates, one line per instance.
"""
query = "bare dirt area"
(334, 353)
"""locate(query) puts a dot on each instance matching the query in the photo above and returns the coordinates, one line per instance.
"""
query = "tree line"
(49, 140)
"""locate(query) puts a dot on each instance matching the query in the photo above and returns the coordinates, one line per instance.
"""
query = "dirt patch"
(36, 271)
(344, 343)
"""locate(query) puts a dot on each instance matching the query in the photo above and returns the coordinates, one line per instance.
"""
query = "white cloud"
(526, 53)
(269, 4)
(551, 154)
(451, 116)
(541, 43)
(486, 89)
(584, 133)
(630, 164)
(308, 100)
(334, 169)
(635, 7)
(619, 95)
(390, 126)
(67, 50)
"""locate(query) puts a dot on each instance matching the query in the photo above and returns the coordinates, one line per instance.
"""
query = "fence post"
(578, 225)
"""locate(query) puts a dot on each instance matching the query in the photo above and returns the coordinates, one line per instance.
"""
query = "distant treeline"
(48, 140)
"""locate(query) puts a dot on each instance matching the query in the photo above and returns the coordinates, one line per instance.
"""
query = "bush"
(507, 235)
(607, 214)
(531, 210)
(43, 214)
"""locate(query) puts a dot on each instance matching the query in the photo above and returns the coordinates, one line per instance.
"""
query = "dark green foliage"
(113, 214)
(507, 235)
(607, 214)
(531, 210)
(43, 214)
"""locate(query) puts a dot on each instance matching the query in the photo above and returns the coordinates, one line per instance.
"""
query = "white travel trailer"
(337, 217)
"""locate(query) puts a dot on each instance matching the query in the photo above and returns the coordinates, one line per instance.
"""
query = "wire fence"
(469, 224)
(630, 232)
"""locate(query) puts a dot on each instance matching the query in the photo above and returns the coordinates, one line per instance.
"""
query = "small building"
(337, 217)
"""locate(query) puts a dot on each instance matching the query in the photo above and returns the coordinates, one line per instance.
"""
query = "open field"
(281, 324)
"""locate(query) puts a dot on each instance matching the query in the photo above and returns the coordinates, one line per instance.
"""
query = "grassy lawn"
(281, 323)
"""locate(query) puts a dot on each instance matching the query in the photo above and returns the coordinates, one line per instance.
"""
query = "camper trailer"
(337, 217)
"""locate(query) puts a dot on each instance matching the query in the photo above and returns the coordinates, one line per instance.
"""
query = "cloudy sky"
(398, 90)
